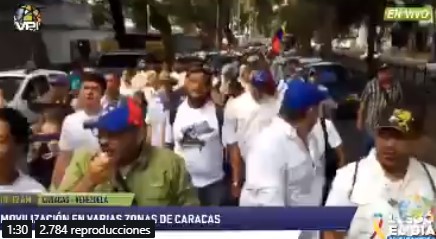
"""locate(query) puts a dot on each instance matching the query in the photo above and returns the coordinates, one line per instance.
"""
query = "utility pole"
(238, 16)
(218, 23)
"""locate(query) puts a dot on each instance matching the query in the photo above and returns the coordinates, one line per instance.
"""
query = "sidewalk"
(396, 58)
(427, 145)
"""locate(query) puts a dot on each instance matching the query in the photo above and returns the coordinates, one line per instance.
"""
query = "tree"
(139, 13)
(349, 12)
(162, 23)
(293, 14)
(100, 13)
(116, 9)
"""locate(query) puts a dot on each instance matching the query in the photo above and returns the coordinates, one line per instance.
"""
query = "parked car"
(343, 86)
(279, 65)
(20, 87)
(118, 61)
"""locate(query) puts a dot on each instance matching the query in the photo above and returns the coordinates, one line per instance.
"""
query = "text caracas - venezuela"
(76, 199)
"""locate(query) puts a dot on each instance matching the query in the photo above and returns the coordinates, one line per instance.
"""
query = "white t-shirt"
(127, 91)
(249, 117)
(156, 117)
(318, 151)
(265, 168)
(229, 128)
(334, 139)
(203, 161)
(74, 136)
(23, 184)
(371, 176)
(281, 172)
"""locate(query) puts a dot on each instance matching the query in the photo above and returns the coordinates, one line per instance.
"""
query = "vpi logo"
(27, 18)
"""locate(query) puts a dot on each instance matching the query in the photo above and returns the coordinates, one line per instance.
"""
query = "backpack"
(219, 111)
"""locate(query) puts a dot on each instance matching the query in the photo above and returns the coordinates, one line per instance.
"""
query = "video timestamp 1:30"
(17, 229)
(78, 229)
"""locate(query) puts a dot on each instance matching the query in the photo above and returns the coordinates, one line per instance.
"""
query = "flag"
(277, 39)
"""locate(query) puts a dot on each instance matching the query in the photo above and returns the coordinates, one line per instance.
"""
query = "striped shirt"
(376, 99)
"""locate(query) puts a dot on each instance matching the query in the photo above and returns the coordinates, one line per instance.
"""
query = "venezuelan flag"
(277, 39)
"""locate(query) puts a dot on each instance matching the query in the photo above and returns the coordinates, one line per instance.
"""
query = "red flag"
(276, 46)
(277, 41)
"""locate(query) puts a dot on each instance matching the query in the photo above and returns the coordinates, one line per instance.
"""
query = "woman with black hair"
(14, 145)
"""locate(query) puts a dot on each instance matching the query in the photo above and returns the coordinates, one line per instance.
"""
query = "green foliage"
(138, 12)
(349, 12)
(100, 13)
(265, 15)
(300, 18)
(202, 13)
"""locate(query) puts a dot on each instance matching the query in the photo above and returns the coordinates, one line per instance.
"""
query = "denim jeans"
(212, 194)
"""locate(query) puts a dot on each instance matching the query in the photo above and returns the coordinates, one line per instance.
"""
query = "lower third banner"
(196, 218)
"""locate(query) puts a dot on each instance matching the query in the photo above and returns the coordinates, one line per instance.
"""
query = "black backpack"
(331, 161)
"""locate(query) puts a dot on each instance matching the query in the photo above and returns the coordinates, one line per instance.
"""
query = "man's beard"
(198, 101)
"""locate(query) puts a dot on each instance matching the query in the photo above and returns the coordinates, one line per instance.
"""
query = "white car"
(23, 86)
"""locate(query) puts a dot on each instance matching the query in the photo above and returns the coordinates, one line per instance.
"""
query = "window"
(120, 60)
(36, 87)
(10, 86)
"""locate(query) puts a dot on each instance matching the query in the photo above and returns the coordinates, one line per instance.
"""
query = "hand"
(235, 190)
(99, 169)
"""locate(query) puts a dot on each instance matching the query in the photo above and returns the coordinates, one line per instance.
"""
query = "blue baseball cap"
(261, 78)
(116, 119)
(301, 95)
(264, 79)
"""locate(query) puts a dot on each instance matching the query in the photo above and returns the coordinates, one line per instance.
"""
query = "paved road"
(352, 139)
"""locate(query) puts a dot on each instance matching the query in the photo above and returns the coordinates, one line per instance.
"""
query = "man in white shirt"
(285, 166)
(245, 117)
(196, 133)
(293, 70)
(73, 134)
(14, 144)
(386, 178)
(244, 76)
(157, 107)
(112, 96)
(229, 72)
(126, 82)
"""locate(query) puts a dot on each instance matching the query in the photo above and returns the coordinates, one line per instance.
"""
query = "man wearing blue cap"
(284, 167)
(157, 176)
(247, 115)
